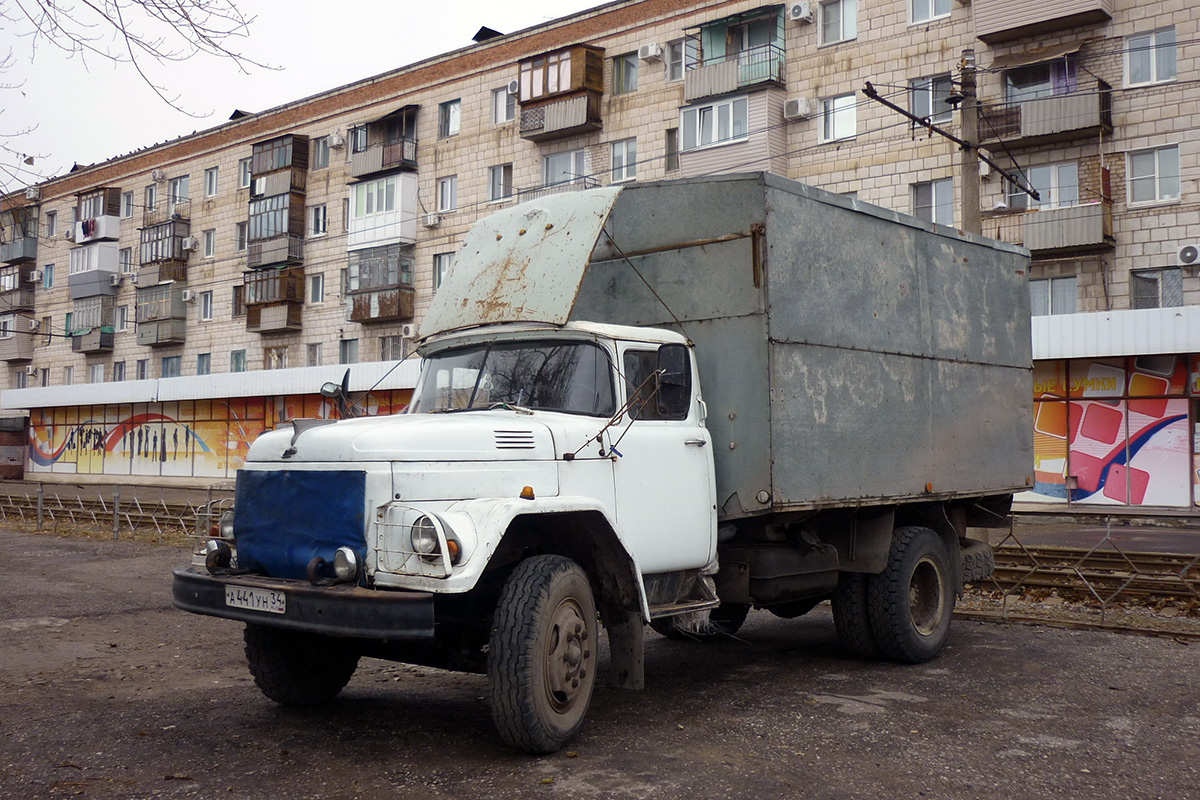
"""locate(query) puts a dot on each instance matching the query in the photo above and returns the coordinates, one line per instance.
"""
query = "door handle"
(696, 442)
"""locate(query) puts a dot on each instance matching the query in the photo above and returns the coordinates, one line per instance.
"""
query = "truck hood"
(498, 435)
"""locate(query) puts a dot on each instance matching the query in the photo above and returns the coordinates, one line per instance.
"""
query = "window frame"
(244, 173)
(1175, 274)
(501, 189)
(319, 153)
(830, 112)
(212, 181)
(316, 289)
(1156, 176)
(205, 302)
(506, 111)
(844, 35)
(318, 220)
(623, 151)
(447, 194)
(1046, 294)
(708, 115)
(449, 118)
(934, 200)
(1051, 191)
(933, 12)
(209, 238)
(624, 73)
(1152, 50)
(441, 267)
(926, 87)
(127, 205)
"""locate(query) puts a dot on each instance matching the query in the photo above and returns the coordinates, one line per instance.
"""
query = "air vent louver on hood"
(514, 440)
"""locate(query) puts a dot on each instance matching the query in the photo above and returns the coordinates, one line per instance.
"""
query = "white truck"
(866, 399)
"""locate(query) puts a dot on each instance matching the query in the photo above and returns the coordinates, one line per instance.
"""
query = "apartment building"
(159, 310)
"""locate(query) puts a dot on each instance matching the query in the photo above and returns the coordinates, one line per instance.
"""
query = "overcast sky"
(89, 112)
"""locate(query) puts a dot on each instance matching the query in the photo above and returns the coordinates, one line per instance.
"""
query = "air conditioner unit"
(800, 12)
(35, 276)
(650, 52)
(133, 278)
(158, 175)
(799, 108)
(514, 87)
(430, 220)
(31, 371)
(336, 140)
(188, 295)
(408, 331)
(33, 324)
(33, 193)
(115, 280)
(1189, 255)
(69, 234)
(190, 243)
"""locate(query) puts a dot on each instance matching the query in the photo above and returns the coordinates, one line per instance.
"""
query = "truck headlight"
(424, 537)
(345, 564)
(226, 526)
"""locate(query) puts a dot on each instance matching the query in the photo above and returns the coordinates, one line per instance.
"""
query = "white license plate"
(256, 599)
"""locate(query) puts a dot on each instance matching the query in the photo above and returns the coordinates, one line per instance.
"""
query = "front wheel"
(298, 669)
(542, 654)
(911, 601)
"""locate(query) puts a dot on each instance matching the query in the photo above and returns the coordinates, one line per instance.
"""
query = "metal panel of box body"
(887, 354)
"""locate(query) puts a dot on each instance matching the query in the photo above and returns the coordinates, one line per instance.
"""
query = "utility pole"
(969, 150)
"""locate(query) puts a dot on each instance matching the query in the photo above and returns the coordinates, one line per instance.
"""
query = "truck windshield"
(573, 377)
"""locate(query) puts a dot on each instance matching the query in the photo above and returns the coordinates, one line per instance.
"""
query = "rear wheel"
(911, 601)
(298, 669)
(851, 616)
(542, 654)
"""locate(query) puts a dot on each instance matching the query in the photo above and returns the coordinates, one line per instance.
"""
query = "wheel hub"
(926, 597)
(567, 654)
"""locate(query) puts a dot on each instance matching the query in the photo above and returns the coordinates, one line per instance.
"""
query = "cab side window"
(640, 385)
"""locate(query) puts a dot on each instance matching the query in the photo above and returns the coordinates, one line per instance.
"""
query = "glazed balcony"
(1060, 117)
(273, 300)
(161, 315)
(1006, 20)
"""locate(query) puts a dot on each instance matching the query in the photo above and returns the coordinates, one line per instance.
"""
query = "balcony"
(17, 345)
(394, 304)
(384, 158)
(166, 210)
(286, 249)
(161, 253)
(273, 300)
(565, 117)
(1061, 117)
(755, 67)
(536, 192)
(16, 288)
(95, 340)
(1056, 231)
(20, 299)
(162, 332)
(22, 248)
(161, 314)
(161, 272)
(1004, 20)
(97, 228)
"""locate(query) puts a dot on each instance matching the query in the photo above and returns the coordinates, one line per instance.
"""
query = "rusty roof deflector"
(522, 264)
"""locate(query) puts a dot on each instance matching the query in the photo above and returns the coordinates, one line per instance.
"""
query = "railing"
(273, 286)
(285, 249)
(167, 209)
(379, 157)
(575, 185)
(727, 73)
(561, 117)
(22, 248)
(1070, 228)
(1086, 110)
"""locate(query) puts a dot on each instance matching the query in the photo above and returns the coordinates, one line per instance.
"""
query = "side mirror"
(331, 390)
(674, 382)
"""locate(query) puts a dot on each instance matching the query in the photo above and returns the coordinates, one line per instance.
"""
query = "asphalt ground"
(106, 691)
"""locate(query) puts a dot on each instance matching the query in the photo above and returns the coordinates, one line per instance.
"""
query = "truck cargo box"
(849, 355)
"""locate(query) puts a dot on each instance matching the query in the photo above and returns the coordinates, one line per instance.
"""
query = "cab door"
(665, 492)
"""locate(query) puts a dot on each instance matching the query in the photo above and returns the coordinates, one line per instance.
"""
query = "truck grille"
(514, 440)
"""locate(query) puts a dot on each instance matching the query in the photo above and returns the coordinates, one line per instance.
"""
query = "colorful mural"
(1115, 431)
(190, 439)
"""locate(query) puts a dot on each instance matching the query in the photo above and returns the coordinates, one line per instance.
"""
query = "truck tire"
(978, 561)
(911, 601)
(851, 617)
(724, 620)
(298, 669)
(542, 654)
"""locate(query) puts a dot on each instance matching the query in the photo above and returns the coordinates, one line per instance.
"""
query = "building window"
(122, 319)
(269, 217)
(348, 351)
(933, 201)
(51, 224)
(441, 268)
(206, 306)
(244, 173)
(241, 234)
(504, 105)
(449, 118)
(374, 197)
(545, 75)
(719, 123)
(125, 259)
(20, 379)
(8, 326)
(839, 20)
(500, 179)
(238, 301)
(671, 148)
(316, 288)
(1036, 81)
(126, 205)
(839, 118)
(211, 179)
(118, 371)
(48, 276)
(179, 189)
(319, 153)
(447, 193)
(1150, 57)
(380, 268)
(1057, 186)
(925, 10)
(318, 221)
(172, 366)
(391, 348)
(237, 360)
(566, 167)
(68, 376)
(1157, 288)
(142, 369)
(47, 329)
(275, 357)
(927, 98)
(95, 373)
(624, 160)
(1054, 296)
(150, 198)
(674, 60)
(1154, 175)
(313, 353)
(625, 73)
(210, 243)
(203, 363)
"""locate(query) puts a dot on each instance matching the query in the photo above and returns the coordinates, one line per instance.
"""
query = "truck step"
(672, 609)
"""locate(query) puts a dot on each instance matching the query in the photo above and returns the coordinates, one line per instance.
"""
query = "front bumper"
(331, 610)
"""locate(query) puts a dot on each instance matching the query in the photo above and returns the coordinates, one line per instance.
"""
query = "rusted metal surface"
(523, 264)
(378, 306)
